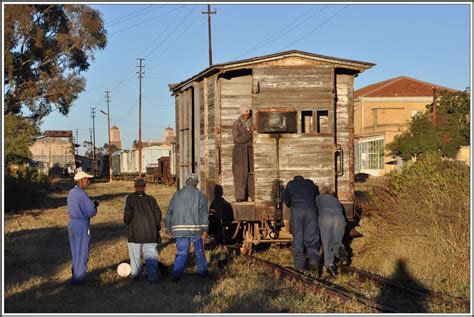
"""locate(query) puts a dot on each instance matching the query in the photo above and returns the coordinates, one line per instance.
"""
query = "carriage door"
(309, 151)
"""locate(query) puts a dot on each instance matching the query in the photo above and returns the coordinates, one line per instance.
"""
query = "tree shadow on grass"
(402, 300)
(42, 252)
(106, 292)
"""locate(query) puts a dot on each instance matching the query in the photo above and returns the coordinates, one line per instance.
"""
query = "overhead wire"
(163, 32)
(174, 31)
(315, 29)
(181, 34)
(140, 23)
(135, 122)
(132, 15)
(279, 34)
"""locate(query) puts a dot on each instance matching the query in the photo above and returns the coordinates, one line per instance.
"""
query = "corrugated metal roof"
(218, 67)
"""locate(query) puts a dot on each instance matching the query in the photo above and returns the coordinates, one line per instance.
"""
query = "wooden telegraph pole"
(107, 98)
(93, 142)
(140, 73)
(209, 12)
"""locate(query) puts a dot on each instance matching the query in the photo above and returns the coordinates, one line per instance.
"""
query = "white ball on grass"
(124, 269)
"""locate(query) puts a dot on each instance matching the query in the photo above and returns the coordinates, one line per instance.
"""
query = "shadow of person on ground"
(402, 300)
(107, 292)
(42, 252)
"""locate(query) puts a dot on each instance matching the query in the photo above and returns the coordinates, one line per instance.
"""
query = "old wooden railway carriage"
(302, 106)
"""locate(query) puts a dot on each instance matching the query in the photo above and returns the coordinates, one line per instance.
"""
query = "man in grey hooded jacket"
(188, 220)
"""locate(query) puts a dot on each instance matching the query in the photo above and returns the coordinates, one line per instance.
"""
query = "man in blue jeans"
(188, 220)
(142, 215)
(300, 195)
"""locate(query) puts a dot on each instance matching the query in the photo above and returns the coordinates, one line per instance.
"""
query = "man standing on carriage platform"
(300, 195)
(242, 158)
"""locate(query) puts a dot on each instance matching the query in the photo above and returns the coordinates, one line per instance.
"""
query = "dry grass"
(419, 221)
(38, 264)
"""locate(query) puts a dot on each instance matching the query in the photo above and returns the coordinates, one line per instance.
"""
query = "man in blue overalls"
(300, 195)
(80, 209)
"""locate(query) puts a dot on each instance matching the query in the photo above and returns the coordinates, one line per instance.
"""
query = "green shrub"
(422, 215)
(25, 188)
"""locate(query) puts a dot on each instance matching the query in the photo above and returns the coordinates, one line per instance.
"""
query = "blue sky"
(430, 42)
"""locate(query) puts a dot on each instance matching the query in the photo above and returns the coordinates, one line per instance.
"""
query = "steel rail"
(321, 286)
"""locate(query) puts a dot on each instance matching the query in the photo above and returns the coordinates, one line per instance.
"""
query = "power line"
(132, 15)
(278, 34)
(181, 34)
(316, 28)
(161, 33)
(167, 78)
(162, 99)
(135, 122)
(170, 34)
(140, 23)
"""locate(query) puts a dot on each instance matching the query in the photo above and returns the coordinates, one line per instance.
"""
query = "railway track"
(436, 297)
(329, 288)
(318, 285)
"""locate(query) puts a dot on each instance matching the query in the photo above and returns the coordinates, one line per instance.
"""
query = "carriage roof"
(353, 65)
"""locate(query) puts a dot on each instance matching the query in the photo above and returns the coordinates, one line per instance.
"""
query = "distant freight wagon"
(302, 106)
(125, 163)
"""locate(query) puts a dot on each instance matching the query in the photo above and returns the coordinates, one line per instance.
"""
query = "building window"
(371, 155)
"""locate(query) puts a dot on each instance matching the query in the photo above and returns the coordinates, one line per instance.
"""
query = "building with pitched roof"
(381, 111)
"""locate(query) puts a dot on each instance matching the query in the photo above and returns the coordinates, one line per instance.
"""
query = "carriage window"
(322, 121)
(307, 124)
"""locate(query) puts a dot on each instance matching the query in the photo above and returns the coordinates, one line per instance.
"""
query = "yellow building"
(54, 149)
(381, 111)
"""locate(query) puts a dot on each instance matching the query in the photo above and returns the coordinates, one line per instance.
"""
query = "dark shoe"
(331, 270)
(77, 283)
(175, 279)
(136, 278)
(241, 200)
(343, 256)
(163, 269)
(204, 275)
(299, 269)
(314, 267)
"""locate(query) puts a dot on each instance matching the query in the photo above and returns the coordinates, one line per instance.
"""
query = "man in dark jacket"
(300, 195)
(241, 155)
(142, 215)
(188, 220)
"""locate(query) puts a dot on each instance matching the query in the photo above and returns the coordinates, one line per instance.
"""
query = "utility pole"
(93, 144)
(107, 99)
(140, 73)
(90, 134)
(77, 141)
(209, 12)
(433, 109)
